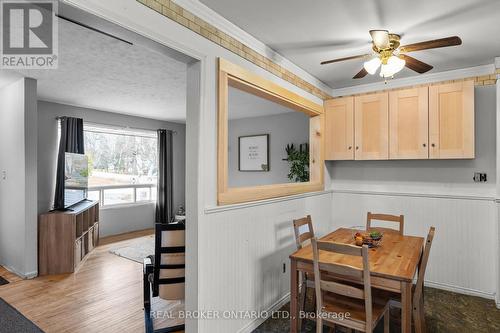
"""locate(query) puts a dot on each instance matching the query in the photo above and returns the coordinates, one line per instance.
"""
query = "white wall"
(434, 193)
(18, 177)
(114, 220)
(212, 264)
(283, 129)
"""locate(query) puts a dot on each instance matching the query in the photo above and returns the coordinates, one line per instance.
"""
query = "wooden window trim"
(235, 76)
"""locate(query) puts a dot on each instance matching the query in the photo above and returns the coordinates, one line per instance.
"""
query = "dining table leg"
(406, 308)
(294, 297)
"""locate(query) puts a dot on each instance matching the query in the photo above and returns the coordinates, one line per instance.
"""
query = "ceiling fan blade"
(362, 73)
(415, 65)
(432, 44)
(343, 59)
(380, 39)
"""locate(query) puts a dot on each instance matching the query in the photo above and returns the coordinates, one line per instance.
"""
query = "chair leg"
(387, 321)
(417, 319)
(314, 300)
(319, 325)
(422, 314)
(302, 299)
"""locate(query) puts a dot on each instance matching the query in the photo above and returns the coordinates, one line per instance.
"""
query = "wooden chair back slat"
(342, 289)
(303, 236)
(337, 287)
(387, 218)
(423, 265)
(340, 248)
(342, 270)
(169, 263)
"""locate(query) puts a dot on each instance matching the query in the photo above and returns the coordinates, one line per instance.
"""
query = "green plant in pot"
(298, 160)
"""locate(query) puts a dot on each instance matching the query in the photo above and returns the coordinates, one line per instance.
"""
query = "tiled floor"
(445, 312)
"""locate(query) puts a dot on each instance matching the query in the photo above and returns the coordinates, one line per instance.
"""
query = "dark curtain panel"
(71, 141)
(164, 199)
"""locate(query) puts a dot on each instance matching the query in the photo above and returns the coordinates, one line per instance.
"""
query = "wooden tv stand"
(65, 238)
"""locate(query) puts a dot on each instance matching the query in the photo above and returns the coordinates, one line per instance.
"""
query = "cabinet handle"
(350, 147)
(433, 145)
(357, 147)
(424, 145)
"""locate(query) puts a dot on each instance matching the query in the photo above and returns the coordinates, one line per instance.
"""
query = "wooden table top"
(396, 258)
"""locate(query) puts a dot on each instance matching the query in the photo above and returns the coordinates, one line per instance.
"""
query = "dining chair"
(164, 276)
(386, 218)
(304, 232)
(336, 298)
(418, 288)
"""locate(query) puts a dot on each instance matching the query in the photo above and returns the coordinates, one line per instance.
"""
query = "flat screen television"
(76, 178)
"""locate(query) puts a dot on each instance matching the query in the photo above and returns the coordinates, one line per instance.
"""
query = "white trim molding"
(27, 275)
(251, 326)
(459, 290)
(455, 74)
(218, 209)
(210, 16)
(419, 195)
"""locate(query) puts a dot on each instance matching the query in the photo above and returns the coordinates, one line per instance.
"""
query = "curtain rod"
(118, 126)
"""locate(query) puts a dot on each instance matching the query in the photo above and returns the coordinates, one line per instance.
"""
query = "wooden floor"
(105, 295)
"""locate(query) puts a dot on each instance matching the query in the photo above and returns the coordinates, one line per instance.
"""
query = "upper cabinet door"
(451, 120)
(371, 118)
(409, 123)
(339, 129)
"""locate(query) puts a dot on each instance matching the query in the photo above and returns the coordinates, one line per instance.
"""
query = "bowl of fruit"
(372, 239)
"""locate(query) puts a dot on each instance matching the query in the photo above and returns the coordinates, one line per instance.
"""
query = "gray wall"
(18, 175)
(433, 176)
(114, 220)
(285, 128)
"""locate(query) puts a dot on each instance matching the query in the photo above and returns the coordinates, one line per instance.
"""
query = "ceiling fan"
(391, 57)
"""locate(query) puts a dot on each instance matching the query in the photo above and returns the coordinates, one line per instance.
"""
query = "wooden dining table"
(393, 265)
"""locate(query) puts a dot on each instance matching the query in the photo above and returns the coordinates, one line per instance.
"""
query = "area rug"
(136, 249)
(13, 321)
(3, 281)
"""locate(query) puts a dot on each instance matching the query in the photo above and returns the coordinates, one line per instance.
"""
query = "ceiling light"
(372, 65)
(394, 65)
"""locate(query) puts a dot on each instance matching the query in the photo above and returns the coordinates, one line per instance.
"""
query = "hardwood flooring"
(105, 295)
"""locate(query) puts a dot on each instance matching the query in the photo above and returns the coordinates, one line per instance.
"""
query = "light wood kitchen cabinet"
(339, 129)
(371, 122)
(409, 123)
(451, 120)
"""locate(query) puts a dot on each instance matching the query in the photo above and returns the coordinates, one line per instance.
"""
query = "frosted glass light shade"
(394, 65)
(372, 65)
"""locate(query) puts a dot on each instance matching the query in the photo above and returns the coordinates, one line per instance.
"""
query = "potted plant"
(298, 160)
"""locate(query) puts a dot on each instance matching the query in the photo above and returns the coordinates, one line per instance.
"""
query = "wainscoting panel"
(464, 252)
(242, 254)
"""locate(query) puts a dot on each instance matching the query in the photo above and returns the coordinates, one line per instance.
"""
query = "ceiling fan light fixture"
(372, 65)
(394, 65)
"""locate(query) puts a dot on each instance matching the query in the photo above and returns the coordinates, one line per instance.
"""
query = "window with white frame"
(123, 164)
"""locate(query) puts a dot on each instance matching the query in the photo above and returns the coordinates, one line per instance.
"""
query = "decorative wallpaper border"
(182, 16)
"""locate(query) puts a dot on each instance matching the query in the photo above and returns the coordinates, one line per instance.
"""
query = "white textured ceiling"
(245, 105)
(308, 32)
(103, 73)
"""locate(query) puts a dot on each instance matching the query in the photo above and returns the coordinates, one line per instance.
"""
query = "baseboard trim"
(418, 195)
(460, 290)
(251, 326)
(28, 275)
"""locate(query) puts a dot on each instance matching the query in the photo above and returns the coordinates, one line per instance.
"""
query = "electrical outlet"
(480, 177)
(284, 268)
(4, 175)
